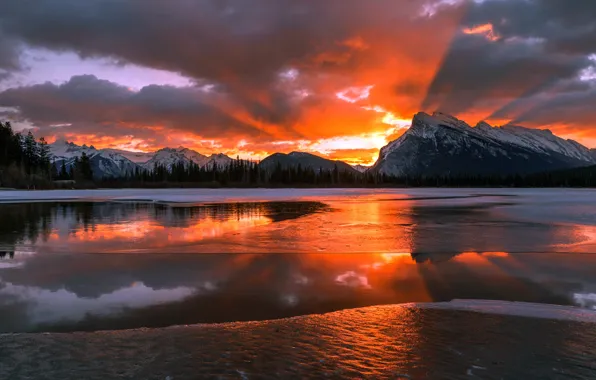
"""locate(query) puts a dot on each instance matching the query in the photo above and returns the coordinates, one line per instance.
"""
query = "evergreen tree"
(44, 155)
(31, 152)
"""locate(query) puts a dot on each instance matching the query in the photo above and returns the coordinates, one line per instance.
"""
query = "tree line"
(240, 173)
(26, 162)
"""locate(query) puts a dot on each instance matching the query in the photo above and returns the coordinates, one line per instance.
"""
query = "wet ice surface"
(381, 342)
(127, 259)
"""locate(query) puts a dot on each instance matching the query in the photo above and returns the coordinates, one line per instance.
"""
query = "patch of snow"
(538, 140)
(360, 168)
(136, 157)
(585, 300)
(521, 309)
(169, 157)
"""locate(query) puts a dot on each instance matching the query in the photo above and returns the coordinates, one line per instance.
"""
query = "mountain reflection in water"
(90, 266)
(134, 227)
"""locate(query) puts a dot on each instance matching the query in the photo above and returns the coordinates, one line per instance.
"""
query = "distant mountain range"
(437, 144)
(112, 163)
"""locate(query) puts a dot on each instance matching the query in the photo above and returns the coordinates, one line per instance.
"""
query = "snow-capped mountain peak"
(445, 119)
(440, 143)
(105, 163)
(538, 140)
(62, 149)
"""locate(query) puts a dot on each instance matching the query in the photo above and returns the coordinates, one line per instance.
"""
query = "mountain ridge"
(113, 163)
(440, 144)
(305, 160)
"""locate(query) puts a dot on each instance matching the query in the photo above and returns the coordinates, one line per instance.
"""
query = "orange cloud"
(485, 30)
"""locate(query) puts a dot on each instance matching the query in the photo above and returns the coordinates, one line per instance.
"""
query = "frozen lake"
(74, 261)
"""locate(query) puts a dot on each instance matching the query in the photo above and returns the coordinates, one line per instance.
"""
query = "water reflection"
(134, 227)
(432, 230)
(275, 259)
(88, 292)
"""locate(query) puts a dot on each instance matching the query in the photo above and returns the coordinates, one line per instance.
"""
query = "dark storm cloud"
(567, 26)
(478, 69)
(93, 104)
(9, 56)
(572, 105)
(510, 49)
(217, 39)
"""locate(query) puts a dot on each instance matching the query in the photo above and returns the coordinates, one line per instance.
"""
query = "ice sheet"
(522, 309)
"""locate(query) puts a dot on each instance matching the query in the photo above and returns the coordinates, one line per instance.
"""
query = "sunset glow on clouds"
(249, 78)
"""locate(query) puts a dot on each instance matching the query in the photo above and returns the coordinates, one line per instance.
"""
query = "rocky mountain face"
(111, 163)
(305, 160)
(440, 144)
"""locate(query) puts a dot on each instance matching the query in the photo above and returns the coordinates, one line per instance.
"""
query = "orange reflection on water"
(582, 239)
(356, 225)
(373, 275)
(147, 233)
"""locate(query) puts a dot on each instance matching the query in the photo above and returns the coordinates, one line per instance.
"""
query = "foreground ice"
(520, 309)
(260, 194)
(567, 206)
(227, 195)
(382, 342)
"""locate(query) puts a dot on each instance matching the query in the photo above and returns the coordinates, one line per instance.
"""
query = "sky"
(339, 78)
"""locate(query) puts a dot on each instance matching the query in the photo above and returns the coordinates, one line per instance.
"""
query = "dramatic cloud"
(513, 60)
(90, 102)
(303, 73)
(9, 56)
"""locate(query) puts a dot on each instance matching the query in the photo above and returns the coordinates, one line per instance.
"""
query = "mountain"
(110, 163)
(104, 163)
(443, 145)
(136, 157)
(168, 157)
(360, 168)
(305, 160)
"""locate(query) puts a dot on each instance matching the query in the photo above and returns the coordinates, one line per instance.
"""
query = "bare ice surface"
(379, 342)
(521, 309)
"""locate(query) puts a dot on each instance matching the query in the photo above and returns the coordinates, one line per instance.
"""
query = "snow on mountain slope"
(116, 162)
(168, 157)
(360, 168)
(62, 149)
(219, 160)
(442, 144)
(104, 163)
(136, 157)
(539, 140)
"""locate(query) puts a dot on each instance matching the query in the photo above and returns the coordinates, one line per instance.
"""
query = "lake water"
(108, 271)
